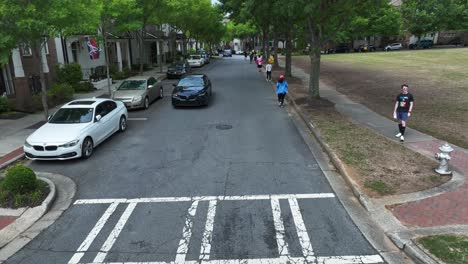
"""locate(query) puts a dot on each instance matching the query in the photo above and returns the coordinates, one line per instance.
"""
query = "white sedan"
(76, 129)
(196, 61)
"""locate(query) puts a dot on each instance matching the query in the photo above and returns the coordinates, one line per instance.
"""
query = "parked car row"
(345, 48)
(81, 125)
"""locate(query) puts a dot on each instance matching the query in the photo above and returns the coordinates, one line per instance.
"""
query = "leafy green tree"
(325, 20)
(33, 22)
(420, 17)
(115, 17)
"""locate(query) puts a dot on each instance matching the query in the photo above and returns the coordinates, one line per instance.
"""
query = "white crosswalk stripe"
(308, 255)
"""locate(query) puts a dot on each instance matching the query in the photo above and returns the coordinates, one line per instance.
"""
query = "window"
(110, 106)
(151, 81)
(99, 110)
(72, 116)
(26, 49)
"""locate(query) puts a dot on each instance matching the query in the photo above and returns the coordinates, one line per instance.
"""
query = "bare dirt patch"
(380, 166)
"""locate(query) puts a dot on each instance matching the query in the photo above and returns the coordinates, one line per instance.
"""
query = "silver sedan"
(139, 91)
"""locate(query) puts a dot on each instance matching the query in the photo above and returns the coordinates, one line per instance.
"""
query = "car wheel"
(146, 103)
(87, 148)
(161, 92)
(123, 124)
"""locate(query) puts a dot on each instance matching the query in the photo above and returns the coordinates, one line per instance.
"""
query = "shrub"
(4, 104)
(192, 51)
(69, 73)
(19, 179)
(60, 93)
(113, 69)
(83, 87)
(37, 102)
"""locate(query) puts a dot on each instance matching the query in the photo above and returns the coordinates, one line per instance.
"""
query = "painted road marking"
(93, 234)
(206, 243)
(283, 250)
(205, 250)
(207, 198)
(137, 119)
(115, 233)
(304, 239)
(186, 234)
(365, 259)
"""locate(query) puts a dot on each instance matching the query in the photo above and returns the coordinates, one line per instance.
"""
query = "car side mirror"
(98, 117)
(49, 117)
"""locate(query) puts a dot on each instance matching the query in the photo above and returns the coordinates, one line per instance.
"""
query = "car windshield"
(72, 116)
(132, 85)
(191, 81)
(195, 57)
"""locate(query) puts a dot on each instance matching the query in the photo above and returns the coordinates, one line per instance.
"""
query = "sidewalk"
(14, 132)
(440, 210)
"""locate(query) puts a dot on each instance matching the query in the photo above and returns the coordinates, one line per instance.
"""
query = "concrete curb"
(363, 199)
(412, 249)
(28, 217)
(65, 190)
(11, 161)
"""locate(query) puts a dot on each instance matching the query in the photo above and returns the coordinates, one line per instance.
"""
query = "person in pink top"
(259, 61)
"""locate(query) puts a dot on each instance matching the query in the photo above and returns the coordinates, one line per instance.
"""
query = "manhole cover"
(223, 127)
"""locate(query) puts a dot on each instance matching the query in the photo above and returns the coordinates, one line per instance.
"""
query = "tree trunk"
(287, 68)
(267, 39)
(142, 36)
(106, 53)
(37, 46)
(161, 50)
(275, 43)
(264, 40)
(314, 54)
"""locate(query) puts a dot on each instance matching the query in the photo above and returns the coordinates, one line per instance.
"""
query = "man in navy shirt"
(403, 107)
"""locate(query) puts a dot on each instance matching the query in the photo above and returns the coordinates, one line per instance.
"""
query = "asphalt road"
(176, 186)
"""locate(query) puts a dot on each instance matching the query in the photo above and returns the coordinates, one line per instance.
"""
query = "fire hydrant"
(444, 157)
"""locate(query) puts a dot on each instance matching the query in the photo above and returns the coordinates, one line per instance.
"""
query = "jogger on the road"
(403, 107)
(281, 90)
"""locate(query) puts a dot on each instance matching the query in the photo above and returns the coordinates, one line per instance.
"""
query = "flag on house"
(93, 48)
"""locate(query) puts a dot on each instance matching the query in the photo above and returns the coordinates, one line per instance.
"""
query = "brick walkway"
(11, 155)
(6, 220)
(446, 209)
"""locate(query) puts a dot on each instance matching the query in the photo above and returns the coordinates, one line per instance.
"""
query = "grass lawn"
(387, 169)
(451, 249)
(438, 79)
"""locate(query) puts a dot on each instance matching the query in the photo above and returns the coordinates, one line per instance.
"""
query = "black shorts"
(259, 66)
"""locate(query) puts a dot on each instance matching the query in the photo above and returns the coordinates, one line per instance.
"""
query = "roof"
(87, 102)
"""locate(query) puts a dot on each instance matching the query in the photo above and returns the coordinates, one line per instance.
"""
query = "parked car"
(393, 46)
(422, 44)
(138, 91)
(76, 129)
(193, 90)
(365, 48)
(239, 52)
(178, 69)
(341, 48)
(206, 58)
(196, 61)
(227, 53)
